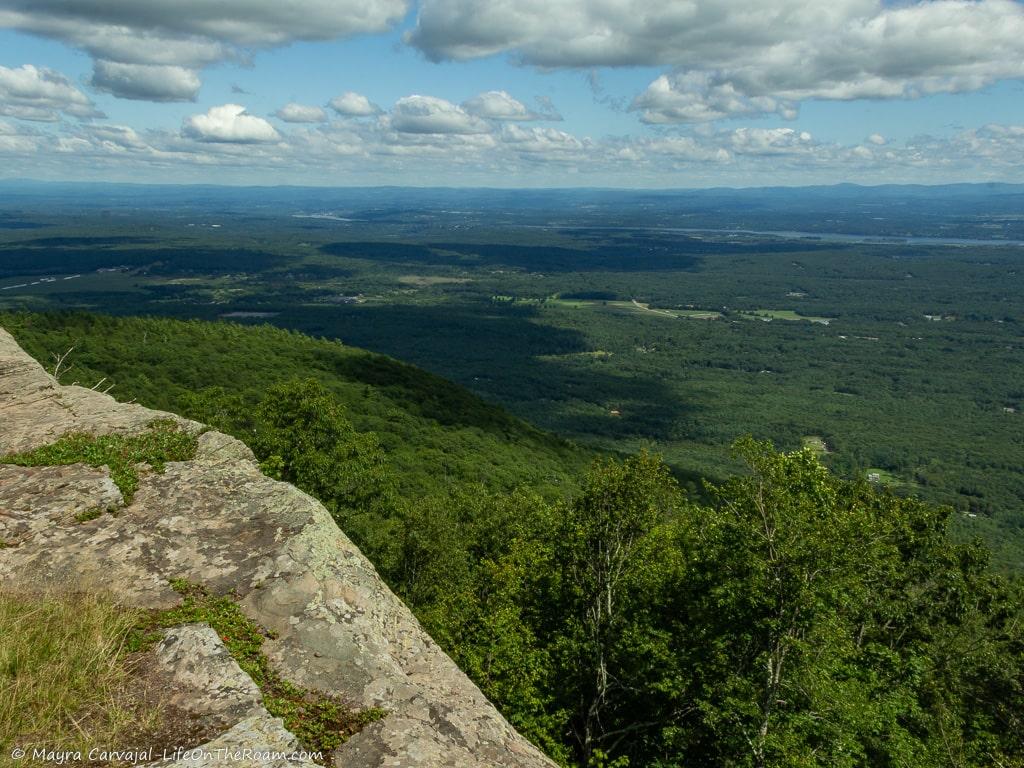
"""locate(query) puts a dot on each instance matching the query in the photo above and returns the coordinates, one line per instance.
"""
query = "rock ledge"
(216, 520)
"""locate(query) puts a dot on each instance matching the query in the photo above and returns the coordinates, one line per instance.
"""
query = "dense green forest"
(597, 321)
(784, 617)
(435, 433)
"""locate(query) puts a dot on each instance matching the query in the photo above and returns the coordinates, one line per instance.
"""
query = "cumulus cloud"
(40, 94)
(497, 105)
(548, 142)
(116, 137)
(769, 141)
(516, 153)
(351, 104)
(231, 124)
(300, 113)
(187, 34)
(428, 114)
(735, 58)
(695, 97)
(145, 82)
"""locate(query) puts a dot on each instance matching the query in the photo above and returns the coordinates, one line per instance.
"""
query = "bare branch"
(60, 359)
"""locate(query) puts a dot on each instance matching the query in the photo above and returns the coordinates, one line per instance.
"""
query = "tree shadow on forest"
(503, 356)
(631, 251)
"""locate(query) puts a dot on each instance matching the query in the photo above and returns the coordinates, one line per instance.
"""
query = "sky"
(513, 93)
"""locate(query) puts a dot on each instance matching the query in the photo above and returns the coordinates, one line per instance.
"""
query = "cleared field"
(786, 314)
(596, 354)
(425, 281)
(688, 314)
(816, 443)
(698, 314)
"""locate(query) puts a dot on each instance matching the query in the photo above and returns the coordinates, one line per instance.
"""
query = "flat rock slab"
(218, 521)
(209, 684)
(33, 499)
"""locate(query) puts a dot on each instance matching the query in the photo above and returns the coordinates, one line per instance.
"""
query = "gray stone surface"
(33, 499)
(208, 682)
(258, 740)
(218, 521)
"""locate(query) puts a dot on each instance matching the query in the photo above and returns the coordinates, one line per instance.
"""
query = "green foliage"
(163, 441)
(827, 613)
(917, 376)
(435, 433)
(321, 722)
(301, 433)
(306, 438)
(786, 617)
(89, 514)
(611, 566)
(795, 620)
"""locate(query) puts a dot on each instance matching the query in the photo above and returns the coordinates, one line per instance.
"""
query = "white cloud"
(696, 97)
(300, 113)
(243, 22)
(582, 33)
(770, 141)
(685, 148)
(188, 34)
(145, 82)
(351, 104)
(116, 137)
(16, 140)
(547, 141)
(37, 93)
(229, 123)
(428, 114)
(442, 142)
(732, 58)
(498, 105)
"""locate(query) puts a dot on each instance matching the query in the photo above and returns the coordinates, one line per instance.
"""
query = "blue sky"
(630, 93)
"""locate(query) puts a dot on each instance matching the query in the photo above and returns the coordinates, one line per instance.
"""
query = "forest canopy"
(783, 617)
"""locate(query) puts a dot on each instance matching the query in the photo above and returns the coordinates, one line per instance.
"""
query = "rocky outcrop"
(218, 521)
(211, 687)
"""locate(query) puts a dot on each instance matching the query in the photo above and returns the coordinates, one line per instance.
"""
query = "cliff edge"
(216, 520)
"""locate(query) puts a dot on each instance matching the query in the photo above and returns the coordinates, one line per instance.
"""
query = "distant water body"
(826, 237)
(838, 237)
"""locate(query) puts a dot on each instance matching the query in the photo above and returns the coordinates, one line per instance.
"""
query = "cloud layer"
(714, 60)
(721, 59)
(300, 113)
(351, 104)
(40, 94)
(436, 141)
(428, 114)
(736, 58)
(156, 49)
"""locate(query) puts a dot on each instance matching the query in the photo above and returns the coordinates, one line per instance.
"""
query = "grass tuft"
(61, 672)
(89, 514)
(164, 441)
